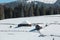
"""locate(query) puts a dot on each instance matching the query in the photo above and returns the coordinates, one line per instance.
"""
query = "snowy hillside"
(44, 1)
(51, 32)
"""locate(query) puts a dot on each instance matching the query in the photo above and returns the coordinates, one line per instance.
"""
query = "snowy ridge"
(44, 1)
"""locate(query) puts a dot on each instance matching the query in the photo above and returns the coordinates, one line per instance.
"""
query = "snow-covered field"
(51, 32)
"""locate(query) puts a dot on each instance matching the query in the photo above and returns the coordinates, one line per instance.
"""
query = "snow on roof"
(44, 1)
(25, 22)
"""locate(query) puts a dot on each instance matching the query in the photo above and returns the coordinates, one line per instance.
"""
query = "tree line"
(27, 10)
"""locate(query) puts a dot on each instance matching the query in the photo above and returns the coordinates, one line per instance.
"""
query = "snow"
(23, 33)
(44, 1)
(25, 22)
(51, 29)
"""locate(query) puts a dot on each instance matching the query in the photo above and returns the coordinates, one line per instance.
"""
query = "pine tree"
(2, 12)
